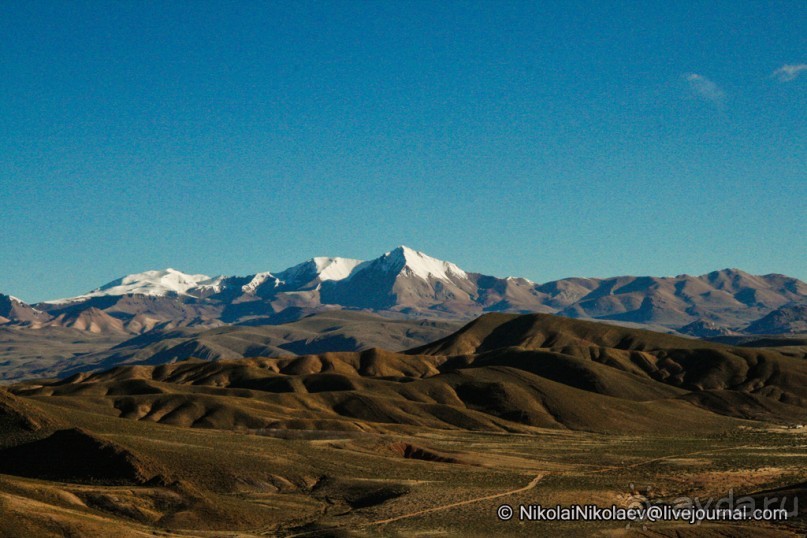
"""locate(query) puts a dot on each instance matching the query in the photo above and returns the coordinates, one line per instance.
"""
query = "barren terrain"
(510, 409)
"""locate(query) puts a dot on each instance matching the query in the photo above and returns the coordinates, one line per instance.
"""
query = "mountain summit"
(406, 280)
(409, 262)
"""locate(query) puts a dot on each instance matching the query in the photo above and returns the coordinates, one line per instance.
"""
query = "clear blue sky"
(543, 140)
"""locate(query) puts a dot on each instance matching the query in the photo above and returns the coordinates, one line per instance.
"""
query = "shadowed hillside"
(76, 455)
(60, 352)
(337, 443)
(499, 373)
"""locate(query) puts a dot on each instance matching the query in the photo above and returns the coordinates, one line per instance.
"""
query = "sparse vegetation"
(529, 409)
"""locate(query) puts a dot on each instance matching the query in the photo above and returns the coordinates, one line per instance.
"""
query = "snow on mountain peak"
(213, 284)
(157, 282)
(258, 280)
(415, 263)
(322, 268)
(401, 260)
(335, 268)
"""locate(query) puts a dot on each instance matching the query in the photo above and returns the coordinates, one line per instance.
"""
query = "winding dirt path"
(534, 482)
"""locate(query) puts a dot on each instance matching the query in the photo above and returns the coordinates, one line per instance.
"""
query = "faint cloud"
(705, 89)
(786, 73)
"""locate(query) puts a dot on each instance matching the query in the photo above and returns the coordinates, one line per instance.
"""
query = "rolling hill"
(500, 372)
(53, 351)
(508, 408)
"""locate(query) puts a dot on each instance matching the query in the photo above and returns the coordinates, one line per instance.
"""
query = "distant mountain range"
(405, 283)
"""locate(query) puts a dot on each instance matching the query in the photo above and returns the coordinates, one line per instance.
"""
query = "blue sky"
(543, 140)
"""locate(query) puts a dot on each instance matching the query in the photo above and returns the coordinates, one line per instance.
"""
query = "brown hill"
(342, 443)
(28, 353)
(90, 320)
(17, 416)
(317, 333)
(787, 319)
(705, 329)
(76, 455)
(546, 331)
(12, 310)
(693, 365)
(141, 313)
(499, 373)
(249, 394)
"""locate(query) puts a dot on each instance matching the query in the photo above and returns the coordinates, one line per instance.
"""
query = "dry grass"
(376, 443)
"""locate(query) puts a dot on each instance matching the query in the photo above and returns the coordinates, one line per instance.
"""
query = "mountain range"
(404, 283)
(292, 430)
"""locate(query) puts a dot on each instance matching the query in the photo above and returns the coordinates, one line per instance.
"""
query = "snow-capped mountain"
(406, 282)
(411, 263)
(310, 274)
(321, 269)
(304, 277)
(256, 281)
(157, 283)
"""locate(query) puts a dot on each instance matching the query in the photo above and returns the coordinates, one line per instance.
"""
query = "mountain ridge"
(407, 282)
